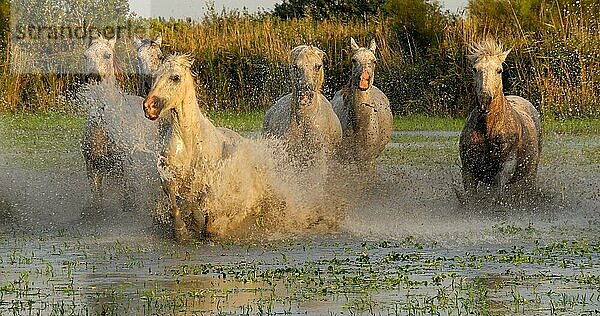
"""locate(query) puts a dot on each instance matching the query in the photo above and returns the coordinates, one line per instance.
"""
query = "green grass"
(41, 140)
(418, 122)
(238, 121)
(52, 139)
(582, 126)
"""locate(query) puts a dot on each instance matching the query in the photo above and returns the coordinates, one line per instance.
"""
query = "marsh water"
(406, 245)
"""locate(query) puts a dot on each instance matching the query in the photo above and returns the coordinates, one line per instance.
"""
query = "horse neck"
(355, 99)
(145, 78)
(303, 108)
(113, 77)
(191, 124)
(500, 118)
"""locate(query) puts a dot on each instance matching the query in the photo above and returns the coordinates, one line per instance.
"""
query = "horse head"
(149, 56)
(363, 65)
(487, 58)
(173, 81)
(307, 71)
(100, 60)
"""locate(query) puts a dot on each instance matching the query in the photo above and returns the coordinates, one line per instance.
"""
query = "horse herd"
(499, 146)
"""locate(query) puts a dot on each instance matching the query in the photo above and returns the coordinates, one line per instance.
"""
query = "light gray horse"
(210, 175)
(149, 56)
(304, 119)
(500, 144)
(114, 128)
(364, 111)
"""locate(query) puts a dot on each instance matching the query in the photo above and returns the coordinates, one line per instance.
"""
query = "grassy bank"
(65, 127)
(53, 139)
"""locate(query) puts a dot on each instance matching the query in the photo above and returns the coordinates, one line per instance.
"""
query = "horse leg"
(128, 202)
(95, 177)
(200, 217)
(500, 182)
(182, 233)
(529, 182)
(469, 184)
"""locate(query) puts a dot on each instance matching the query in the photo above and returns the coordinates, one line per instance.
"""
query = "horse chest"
(487, 155)
(307, 129)
(176, 158)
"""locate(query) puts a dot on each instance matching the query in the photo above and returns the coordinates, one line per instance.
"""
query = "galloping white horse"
(364, 111)
(149, 56)
(304, 119)
(113, 128)
(212, 176)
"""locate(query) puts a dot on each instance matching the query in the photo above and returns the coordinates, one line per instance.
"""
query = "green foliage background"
(242, 59)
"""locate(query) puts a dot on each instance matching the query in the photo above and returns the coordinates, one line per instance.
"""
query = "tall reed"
(242, 62)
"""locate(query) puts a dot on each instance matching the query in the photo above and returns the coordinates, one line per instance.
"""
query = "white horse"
(364, 111)
(149, 56)
(114, 130)
(212, 176)
(304, 119)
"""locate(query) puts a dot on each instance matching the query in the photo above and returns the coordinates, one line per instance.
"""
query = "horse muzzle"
(365, 81)
(152, 108)
(484, 101)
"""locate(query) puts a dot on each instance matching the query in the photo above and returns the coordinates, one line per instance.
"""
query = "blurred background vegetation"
(242, 58)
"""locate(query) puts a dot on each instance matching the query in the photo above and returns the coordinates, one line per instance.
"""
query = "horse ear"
(296, 52)
(472, 58)
(353, 44)
(373, 45)
(505, 54)
(472, 54)
(137, 41)
(189, 60)
(322, 54)
(158, 39)
(112, 41)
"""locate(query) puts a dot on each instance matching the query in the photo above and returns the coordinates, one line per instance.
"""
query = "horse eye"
(175, 78)
(318, 66)
(474, 69)
(499, 70)
(107, 56)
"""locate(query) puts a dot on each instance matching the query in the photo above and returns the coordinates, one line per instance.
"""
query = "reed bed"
(242, 62)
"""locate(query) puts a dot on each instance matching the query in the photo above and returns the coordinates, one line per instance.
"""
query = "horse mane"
(184, 60)
(487, 48)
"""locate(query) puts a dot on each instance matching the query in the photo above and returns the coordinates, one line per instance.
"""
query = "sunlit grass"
(53, 139)
(238, 121)
(42, 140)
(419, 122)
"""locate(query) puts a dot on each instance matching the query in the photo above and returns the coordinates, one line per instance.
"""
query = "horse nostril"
(148, 102)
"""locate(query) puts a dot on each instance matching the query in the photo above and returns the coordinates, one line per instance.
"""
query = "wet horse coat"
(210, 175)
(500, 144)
(114, 127)
(304, 119)
(364, 111)
(149, 56)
